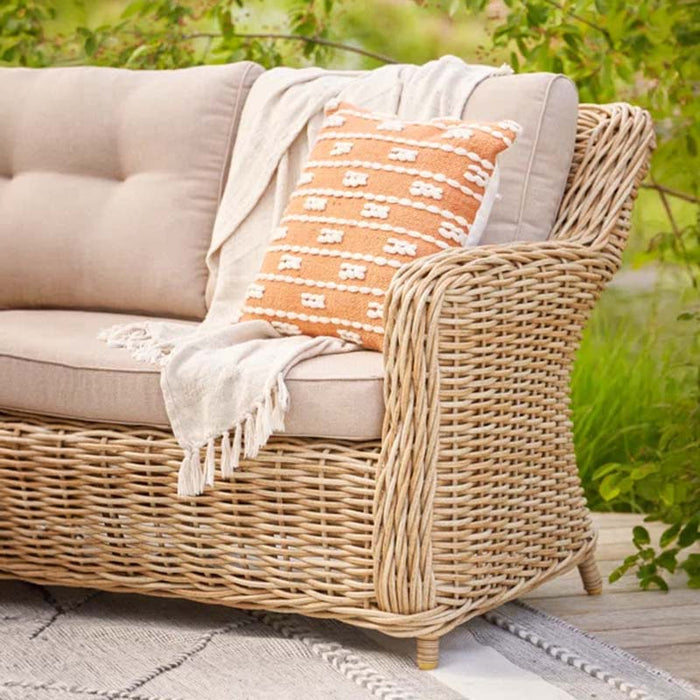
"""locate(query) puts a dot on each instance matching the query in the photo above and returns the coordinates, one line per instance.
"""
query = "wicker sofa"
(470, 498)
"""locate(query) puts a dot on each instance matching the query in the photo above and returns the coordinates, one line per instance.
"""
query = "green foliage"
(651, 565)
(160, 34)
(643, 52)
(636, 385)
(637, 428)
(23, 39)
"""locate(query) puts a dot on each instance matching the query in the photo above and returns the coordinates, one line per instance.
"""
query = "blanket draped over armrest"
(224, 382)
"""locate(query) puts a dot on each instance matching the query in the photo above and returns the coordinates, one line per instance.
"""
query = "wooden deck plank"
(623, 600)
(606, 616)
(680, 660)
(570, 583)
(662, 629)
(605, 521)
(635, 638)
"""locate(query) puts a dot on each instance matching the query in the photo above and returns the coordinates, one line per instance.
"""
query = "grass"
(634, 369)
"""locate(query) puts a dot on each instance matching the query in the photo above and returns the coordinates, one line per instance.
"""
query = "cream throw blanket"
(222, 381)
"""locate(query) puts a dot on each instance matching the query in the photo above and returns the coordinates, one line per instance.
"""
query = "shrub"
(636, 403)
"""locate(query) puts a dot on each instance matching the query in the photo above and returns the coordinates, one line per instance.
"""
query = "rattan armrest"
(478, 351)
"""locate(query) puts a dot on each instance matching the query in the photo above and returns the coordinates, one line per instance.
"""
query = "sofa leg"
(590, 575)
(427, 651)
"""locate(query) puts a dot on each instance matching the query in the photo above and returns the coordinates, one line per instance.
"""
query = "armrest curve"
(478, 351)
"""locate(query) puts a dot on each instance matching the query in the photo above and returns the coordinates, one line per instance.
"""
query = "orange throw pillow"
(376, 193)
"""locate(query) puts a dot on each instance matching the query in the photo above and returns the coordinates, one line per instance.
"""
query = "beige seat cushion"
(51, 363)
(109, 184)
(535, 169)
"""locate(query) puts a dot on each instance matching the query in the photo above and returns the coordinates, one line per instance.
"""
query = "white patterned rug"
(76, 644)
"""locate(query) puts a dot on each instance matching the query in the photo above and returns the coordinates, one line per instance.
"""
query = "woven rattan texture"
(471, 497)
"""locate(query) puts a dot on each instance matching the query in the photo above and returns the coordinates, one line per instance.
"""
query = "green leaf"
(655, 580)
(514, 61)
(609, 488)
(643, 471)
(667, 494)
(646, 570)
(625, 485)
(225, 23)
(136, 53)
(667, 560)
(640, 536)
(617, 574)
(606, 469)
(647, 554)
(90, 45)
(536, 14)
(572, 40)
(669, 535)
(692, 565)
(137, 7)
(689, 534)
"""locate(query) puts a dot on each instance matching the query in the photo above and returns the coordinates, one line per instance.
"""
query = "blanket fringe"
(503, 69)
(250, 434)
(137, 339)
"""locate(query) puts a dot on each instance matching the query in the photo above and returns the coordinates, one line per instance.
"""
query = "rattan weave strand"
(471, 497)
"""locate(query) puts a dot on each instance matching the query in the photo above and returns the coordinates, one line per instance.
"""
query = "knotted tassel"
(280, 404)
(249, 436)
(188, 476)
(262, 423)
(226, 466)
(197, 474)
(236, 448)
(210, 463)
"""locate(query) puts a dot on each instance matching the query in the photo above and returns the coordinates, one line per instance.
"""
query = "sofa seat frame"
(470, 499)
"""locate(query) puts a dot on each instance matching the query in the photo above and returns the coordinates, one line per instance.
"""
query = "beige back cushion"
(109, 184)
(535, 169)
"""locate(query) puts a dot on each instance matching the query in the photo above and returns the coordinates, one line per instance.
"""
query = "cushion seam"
(533, 151)
(84, 368)
(77, 368)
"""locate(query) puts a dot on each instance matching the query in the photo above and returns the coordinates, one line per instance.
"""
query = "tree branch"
(676, 231)
(671, 193)
(583, 20)
(296, 37)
